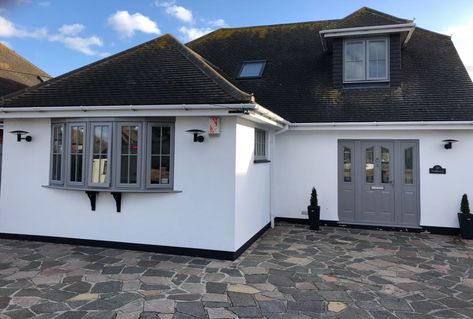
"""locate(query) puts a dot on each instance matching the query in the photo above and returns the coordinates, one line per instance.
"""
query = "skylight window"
(252, 69)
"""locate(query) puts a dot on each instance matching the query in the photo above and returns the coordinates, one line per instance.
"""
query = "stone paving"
(290, 272)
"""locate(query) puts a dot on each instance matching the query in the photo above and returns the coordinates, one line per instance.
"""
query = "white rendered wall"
(304, 159)
(202, 216)
(252, 200)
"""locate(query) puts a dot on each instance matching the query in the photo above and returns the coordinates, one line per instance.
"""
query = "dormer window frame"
(366, 58)
(258, 76)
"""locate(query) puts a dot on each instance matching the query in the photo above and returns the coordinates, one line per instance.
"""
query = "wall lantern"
(19, 136)
(197, 135)
(448, 143)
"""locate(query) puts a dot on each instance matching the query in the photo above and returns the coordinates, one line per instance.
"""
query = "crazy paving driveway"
(290, 272)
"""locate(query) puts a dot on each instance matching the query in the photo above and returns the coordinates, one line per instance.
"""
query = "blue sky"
(62, 35)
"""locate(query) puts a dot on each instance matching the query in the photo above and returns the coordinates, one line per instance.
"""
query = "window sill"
(261, 161)
(114, 190)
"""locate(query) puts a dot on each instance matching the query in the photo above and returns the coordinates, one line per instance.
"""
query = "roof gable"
(365, 17)
(16, 72)
(161, 71)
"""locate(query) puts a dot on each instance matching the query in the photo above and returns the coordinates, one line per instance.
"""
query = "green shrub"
(465, 206)
(313, 198)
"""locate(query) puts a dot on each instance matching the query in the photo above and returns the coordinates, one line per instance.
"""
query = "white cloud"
(219, 23)
(82, 44)
(71, 29)
(127, 24)
(462, 38)
(194, 33)
(176, 11)
(9, 30)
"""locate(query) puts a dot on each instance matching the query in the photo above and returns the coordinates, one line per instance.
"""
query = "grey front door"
(378, 182)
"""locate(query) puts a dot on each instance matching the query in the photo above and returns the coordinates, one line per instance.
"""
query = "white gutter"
(185, 107)
(416, 125)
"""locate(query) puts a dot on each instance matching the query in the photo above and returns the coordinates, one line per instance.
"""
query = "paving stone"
(79, 287)
(49, 307)
(19, 314)
(72, 315)
(272, 306)
(158, 273)
(335, 306)
(215, 287)
(241, 299)
(242, 289)
(160, 306)
(101, 315)
(105, 287)
(111, 270)
(191, 308)
(395, 304)
(246, 312)
(306, 306)
(219, 313)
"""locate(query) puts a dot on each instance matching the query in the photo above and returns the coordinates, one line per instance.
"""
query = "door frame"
(356, 173)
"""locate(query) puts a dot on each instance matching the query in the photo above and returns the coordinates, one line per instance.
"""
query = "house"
(16, 73)
(196, 148)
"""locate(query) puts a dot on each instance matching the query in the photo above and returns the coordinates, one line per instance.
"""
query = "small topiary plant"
(465, 205)
(313, 198)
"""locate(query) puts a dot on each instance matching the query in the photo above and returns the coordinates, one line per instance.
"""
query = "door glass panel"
(385, 160)
(347, 165)
(408, 166)
(369, 165)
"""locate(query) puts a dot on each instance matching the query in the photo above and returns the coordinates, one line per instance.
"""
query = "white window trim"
(366, 77)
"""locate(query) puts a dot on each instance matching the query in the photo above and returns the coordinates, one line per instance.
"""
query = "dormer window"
(366, 60)
(252, 69)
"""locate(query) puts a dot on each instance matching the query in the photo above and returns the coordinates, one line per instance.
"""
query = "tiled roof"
(161, 71)
(16, 72)
(297, 82)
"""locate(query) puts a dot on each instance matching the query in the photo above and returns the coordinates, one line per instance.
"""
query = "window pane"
(76, 153)
(99, 171)
(354, 52)
(377, 59)
(369, 165)
(155, 171)
(251, 69)
(347, 165)
(56, 169)
(160, 155)
(408, 166)
(165, 168)
(354, 71)
(129, 154)
(166, 140)
(260, 144)
(385, 160)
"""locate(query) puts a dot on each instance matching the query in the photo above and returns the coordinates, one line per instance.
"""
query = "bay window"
(115, 154)
(366, 60)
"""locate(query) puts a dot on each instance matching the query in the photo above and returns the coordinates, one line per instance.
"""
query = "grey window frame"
(144, 153)
(149, 129)
(117, 155)
(263, 66)
(68, 182)
(51, 164)
(366, 77)
(90, 156)
(258, 157)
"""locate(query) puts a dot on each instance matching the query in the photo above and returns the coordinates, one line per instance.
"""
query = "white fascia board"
(383, 28)
(367, 32)
(124, 110)
(383, 126)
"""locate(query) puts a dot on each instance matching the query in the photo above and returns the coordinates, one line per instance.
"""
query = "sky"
(61, 35)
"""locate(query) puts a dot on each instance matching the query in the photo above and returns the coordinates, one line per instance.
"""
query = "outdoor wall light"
(197, 135)
(448, 143)
(19, 136)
